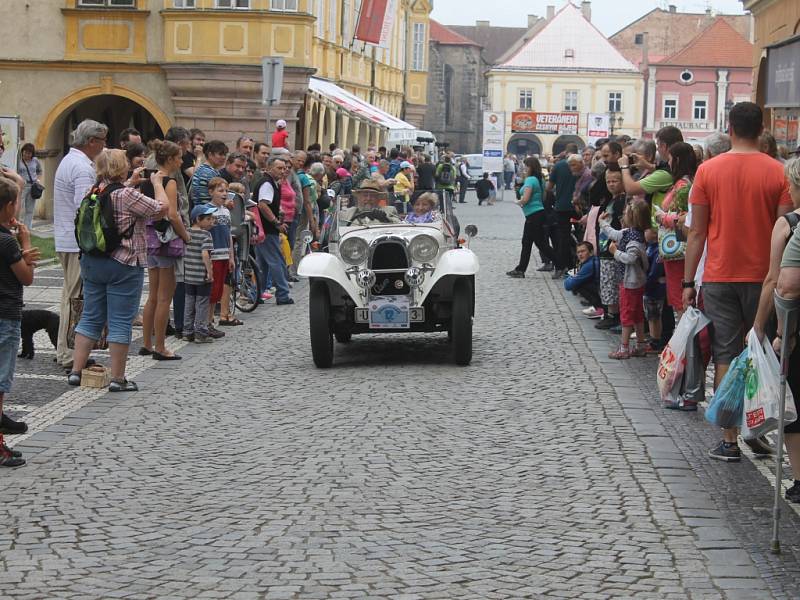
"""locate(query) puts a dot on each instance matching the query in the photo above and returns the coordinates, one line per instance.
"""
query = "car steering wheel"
(376, 214)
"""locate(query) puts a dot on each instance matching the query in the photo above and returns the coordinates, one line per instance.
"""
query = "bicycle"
(246, 278)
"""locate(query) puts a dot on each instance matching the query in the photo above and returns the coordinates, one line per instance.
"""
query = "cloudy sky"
(608, 15)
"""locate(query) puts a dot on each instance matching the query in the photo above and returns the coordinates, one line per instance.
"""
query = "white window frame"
(674, 108)
(615, 98)
(333, 19)
(571, 99)
(704, 108)
(283, 5)
(525, 97)
(107, 3)
(347, 35)
(183, 4)
(319, 12)
(232, 4)
(419, 47)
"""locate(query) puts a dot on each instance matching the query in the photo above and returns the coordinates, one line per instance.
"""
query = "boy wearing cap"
(280, 139)
(198, 274)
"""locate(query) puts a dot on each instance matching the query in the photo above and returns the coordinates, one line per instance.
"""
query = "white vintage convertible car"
(384, 271)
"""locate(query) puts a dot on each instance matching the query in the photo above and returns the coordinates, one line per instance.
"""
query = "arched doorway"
(523, 144)
(115, 106)
(561, 143)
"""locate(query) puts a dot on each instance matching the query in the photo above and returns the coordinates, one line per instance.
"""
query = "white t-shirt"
(266, 193)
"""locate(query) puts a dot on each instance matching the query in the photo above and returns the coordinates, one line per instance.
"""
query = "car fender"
(321, 265)
(458, 262)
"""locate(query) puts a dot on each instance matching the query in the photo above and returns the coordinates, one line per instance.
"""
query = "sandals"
(621, 353)
(230, 322)
(640, 351)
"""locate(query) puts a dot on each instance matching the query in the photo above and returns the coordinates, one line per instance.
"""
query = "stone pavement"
(543, 470)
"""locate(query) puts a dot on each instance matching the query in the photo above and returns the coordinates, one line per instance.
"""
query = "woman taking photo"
(112, 285)
(30, 169)
(530, 200)
(671, 217)
(165, 243)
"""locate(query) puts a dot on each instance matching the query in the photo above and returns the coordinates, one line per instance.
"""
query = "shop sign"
(544, 122)
(783, 75)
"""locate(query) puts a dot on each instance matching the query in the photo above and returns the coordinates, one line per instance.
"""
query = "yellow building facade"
(151, 64)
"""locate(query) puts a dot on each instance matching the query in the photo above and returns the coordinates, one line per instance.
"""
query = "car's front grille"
(390, 255)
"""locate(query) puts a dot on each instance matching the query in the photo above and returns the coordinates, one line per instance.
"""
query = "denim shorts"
(9, 346)
(111, 292)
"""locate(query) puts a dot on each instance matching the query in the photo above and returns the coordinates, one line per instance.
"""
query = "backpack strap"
(107, 191)
(794, 220)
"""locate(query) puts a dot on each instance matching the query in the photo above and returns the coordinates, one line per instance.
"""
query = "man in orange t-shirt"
(736, 199)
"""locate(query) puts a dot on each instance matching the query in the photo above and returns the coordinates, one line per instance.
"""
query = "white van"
(415, 138)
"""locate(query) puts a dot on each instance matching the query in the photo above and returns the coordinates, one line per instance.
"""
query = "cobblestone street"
(543, 470)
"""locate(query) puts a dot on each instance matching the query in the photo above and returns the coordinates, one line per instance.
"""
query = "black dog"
(33, 321)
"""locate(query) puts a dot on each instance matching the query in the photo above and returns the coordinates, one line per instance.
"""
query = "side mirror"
(306, 236)
(471, 231)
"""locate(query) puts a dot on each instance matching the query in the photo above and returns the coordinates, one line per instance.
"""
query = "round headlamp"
(423, 248)
(353, 251)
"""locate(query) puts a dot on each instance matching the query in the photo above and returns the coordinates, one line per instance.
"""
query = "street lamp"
(614, 122)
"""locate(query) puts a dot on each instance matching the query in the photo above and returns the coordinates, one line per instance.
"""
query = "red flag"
(370, 21)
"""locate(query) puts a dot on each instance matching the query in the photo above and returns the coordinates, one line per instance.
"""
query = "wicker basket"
(96, 376)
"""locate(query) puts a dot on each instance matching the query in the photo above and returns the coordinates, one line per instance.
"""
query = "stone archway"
(523, 144)
(560, 144)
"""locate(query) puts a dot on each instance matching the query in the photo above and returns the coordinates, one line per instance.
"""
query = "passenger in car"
(424, 209)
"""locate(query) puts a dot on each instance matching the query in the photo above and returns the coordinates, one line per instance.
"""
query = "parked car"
(383, 274)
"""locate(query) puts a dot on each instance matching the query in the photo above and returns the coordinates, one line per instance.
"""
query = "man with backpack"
(446, 176)
(74, 177)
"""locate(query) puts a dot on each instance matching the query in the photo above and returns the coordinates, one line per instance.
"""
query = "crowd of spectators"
(644, 229)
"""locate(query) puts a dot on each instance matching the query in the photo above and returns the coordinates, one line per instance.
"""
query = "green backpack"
(95, 226)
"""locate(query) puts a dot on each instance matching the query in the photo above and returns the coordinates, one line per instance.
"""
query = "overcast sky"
(608, 15)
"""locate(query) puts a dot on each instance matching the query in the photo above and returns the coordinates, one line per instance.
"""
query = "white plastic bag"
(762, 391)
(672, 361)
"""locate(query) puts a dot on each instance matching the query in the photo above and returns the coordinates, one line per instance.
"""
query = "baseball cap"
(281, 123)
(406, 165)
(201, 210)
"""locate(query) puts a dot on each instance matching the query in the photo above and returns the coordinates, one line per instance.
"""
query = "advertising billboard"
(545, 122)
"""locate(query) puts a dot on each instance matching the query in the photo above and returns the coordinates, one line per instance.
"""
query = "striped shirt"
(194, 269)
(199, 191)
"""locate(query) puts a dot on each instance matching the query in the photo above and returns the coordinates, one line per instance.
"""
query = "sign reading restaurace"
(544, 122)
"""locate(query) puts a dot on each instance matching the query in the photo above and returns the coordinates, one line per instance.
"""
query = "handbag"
(671, 246)
(162, 240)
(75, 312)
(37, 189)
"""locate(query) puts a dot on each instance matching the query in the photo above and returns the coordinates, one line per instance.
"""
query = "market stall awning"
(355, 105)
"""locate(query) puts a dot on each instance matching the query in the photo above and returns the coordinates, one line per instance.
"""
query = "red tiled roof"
(443, 35)
(719, 45)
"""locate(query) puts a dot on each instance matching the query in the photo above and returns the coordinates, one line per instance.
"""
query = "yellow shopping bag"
(287, 251)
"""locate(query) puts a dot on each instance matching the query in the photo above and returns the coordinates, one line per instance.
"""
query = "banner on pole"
(370, 21)
(598, 127)
(494, 131)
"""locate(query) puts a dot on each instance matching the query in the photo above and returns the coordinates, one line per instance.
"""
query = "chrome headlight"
(353, 251)
(423, 248)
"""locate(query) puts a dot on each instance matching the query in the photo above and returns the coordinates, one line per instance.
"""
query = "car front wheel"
(319, 310)
(461, 322)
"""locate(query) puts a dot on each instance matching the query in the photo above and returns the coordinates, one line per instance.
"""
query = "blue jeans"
(111, 293)
(269, 252)
(9, 346)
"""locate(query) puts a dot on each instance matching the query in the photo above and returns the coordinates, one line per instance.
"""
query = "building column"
(651, 98)
(321, 115)
(722, 98)
(344, 135)
(356, 132)
(311, 104)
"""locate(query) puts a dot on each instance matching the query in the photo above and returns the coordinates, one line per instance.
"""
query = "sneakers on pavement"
(760, 446)
(514, 274)
(726, 452)
(123, 386)
(793, 493)
(215, 333)
(7, 458)
(621, 353)
(9, 426)
(608, 322)
(267, 296)
(14, 453)
(593, 313)
(546, 267)
(202, 339)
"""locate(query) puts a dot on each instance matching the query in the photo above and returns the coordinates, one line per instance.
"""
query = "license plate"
(389, 312)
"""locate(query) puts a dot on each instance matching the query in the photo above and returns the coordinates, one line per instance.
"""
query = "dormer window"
(569, 53)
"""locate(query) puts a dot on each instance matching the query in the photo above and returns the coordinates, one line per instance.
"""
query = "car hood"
(403, 231)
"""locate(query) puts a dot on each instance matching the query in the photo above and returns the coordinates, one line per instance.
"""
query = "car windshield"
(367, 207)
